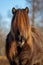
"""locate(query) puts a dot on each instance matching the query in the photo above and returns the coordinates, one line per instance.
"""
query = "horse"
(24, 41)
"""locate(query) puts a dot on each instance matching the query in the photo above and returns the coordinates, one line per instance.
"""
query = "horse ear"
(13, 10)
(27, 9)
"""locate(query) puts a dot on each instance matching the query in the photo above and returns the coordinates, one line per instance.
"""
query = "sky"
(6, 5)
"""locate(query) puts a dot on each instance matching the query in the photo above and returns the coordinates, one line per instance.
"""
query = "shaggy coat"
(24, 43)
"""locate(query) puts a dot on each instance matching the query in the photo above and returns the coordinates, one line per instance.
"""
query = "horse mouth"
(21, 42)
(20, 39)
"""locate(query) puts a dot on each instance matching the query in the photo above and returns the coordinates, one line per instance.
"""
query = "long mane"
(37, 37)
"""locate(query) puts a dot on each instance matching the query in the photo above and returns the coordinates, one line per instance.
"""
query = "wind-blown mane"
(37, 37)
(37, 46)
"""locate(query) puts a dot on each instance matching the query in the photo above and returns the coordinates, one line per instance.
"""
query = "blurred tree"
(36, 9)
(2, 35)
(0, 19)
(9, 14)
(42, 20)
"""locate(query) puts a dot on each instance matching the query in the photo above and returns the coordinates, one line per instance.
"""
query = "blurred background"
(35, 14)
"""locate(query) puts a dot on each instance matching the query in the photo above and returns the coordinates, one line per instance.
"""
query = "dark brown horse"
(24, 43)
